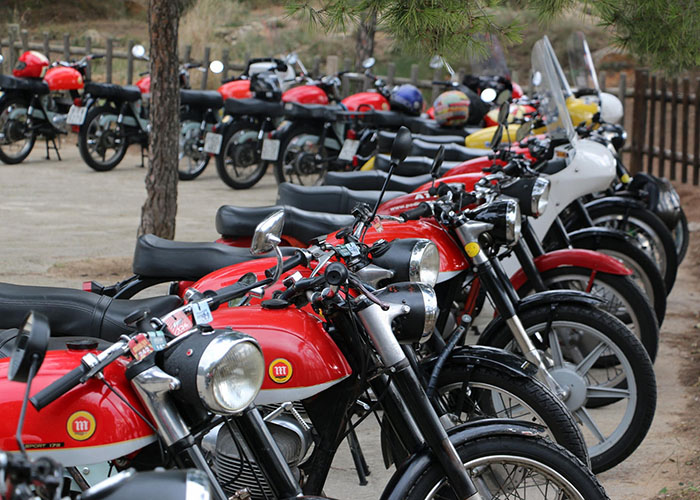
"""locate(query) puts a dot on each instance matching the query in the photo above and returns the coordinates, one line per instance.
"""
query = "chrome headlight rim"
(513, 221)
(431, 310)
(207, 384)
(420, 269)
(540, 195)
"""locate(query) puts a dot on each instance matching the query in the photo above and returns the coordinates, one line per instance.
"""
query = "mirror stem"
(20, 425)
(392, 165)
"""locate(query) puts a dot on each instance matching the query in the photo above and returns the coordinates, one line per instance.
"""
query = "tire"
(497, 394)
(296, 161)
(681, 236)
(624, 299)
(493, 464)
(93, 146)
(14, 132)
(647, 229)
(192, 158)
(644, 271)
(632, 378)
(239, 150)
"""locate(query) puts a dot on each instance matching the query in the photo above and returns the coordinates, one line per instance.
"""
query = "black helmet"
(266, 85)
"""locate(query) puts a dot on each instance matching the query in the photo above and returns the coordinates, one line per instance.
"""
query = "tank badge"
(81, 425)
(280, 371)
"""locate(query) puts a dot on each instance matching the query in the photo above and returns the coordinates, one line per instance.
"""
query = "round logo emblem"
(280, 370)
(81, 425)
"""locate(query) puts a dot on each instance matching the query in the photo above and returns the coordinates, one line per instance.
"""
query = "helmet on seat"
(30, 64)
(451, 108)
(407, 98)
(266, 85)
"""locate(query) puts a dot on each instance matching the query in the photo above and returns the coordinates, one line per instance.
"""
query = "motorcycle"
(33, 107)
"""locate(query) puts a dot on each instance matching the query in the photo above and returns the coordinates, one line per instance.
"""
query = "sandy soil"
(62, 223)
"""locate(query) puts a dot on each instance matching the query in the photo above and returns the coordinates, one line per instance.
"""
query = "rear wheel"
(681, 236)
(101, 140)
(238, 163)
(303, 159)
(16, 141)
(192, 158)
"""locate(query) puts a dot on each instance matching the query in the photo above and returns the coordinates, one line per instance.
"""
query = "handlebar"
(422, 210)
(59, 387)
(295, 260)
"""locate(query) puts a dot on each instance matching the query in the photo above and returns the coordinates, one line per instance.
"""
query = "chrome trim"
(416, 260)
(377, 323)
(197, 485)
(431, 310)
(513, 221)
(540, 195)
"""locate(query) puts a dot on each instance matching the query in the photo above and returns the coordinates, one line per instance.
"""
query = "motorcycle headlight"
(532, 194)
(418, 324)
(222, 371)
(504, 216)
(540, 196)
(424, 264)
(410, 259)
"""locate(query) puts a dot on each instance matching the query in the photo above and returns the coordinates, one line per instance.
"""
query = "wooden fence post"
(639, 120)
(684, 130)
(437, 75)
(11, 59)
(205, 63)
(662, 127)
(696, 149)
(651, 126)
(224, 60)
(66, 46)
(47, 47)
(621, 93)
(88, 49)
(601, 80)
(24, 37)
(331, 65)
(108, 59)
(390, 72)
(188, 53)
(316, 67)
(674, 127)
(414, 74)
(129, 63)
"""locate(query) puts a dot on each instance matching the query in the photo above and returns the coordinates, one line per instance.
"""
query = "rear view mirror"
(216, 67)
(292, 58)
(523, 131)
(369, 62)
(436, 62)
(437, 162)
(30, 347)
(138, 51)
(402, 145)
(497, 136)
(503, 113)
(267, 233)
(503, 96)
(488, 95)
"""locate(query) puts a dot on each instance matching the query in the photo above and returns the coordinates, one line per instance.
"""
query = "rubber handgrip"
(58, 388)
(290, 263)
(416, 213)
(467, 199)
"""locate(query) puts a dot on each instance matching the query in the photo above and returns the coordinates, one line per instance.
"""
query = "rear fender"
(610, 201)
(589, 259)
(403, 479)
(550, 297)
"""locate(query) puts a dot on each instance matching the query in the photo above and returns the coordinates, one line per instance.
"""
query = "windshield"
(561, 76)
(547, 84)
(495, 62)
(581, 67)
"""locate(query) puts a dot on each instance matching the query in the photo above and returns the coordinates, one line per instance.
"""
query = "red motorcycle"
(32, 107)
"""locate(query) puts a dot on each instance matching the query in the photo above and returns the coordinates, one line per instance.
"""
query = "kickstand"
(55, 148)
(144, 154)
(358, 457)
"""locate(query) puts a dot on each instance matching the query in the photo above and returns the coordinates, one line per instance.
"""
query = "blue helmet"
(407, 98)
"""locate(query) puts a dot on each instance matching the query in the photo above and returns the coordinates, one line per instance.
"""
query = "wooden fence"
(666, 110)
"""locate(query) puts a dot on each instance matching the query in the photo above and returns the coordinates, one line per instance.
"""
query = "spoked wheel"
(102, 141)
(238, 163)
(490, 393)
(192, 158)
(622, 298)
(510, 467)
(681, 236)
(303, 159)
(613, 401)
(16, 141)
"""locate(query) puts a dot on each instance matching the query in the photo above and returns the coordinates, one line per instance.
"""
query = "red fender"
(595, 261)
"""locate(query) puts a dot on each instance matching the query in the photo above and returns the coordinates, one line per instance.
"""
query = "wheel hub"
(573, 383)
(244, 155)
(305, 164)
(14, 131)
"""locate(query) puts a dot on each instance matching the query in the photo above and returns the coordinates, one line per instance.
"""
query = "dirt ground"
(61, 223)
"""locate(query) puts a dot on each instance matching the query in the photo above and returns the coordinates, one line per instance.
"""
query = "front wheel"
(16, 141)
(614, 401)
(503, 467)
(238, 163)
(101, 140)
(192, 160)
(681, 236)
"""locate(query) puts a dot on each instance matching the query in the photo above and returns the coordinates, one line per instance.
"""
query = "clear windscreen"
(561, 76)
(494, 64)
(581, 67)
(547, 84)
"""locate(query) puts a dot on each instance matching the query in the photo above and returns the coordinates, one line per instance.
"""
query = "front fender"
(595, 233)
(403, 479)
(609, 201)
(472, 355)
(550, 297)
(589, 259)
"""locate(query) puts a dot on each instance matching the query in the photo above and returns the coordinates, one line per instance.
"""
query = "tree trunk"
(159, 211)
(364, 38)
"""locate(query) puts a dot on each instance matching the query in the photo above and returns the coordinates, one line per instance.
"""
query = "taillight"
(75, 128)
(78, 101)
(351, 134)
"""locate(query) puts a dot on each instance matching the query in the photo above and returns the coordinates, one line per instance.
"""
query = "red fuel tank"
(363, 101)
(305, 94)
(144, 84)
(87, 425)
(301, 359)
(236, 89)
(63, 78)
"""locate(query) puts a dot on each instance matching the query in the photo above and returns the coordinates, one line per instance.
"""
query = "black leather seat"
(453, 152)
(234, 222)
(34, 85)
(7, 343)
(385, 139)
(330, 199)
(296, 111)
(209, 99)
(427, 126)
(413, 165)
(374, 180)
(75, 312)
(128, 93)
(156, 257)
(253, 107)
(384, 119)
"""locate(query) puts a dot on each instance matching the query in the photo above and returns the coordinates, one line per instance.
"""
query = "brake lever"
(373, 298)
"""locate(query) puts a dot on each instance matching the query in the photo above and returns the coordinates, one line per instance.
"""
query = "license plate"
(76, 115)
(349, 149)
(212, 143)
(270, 149)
